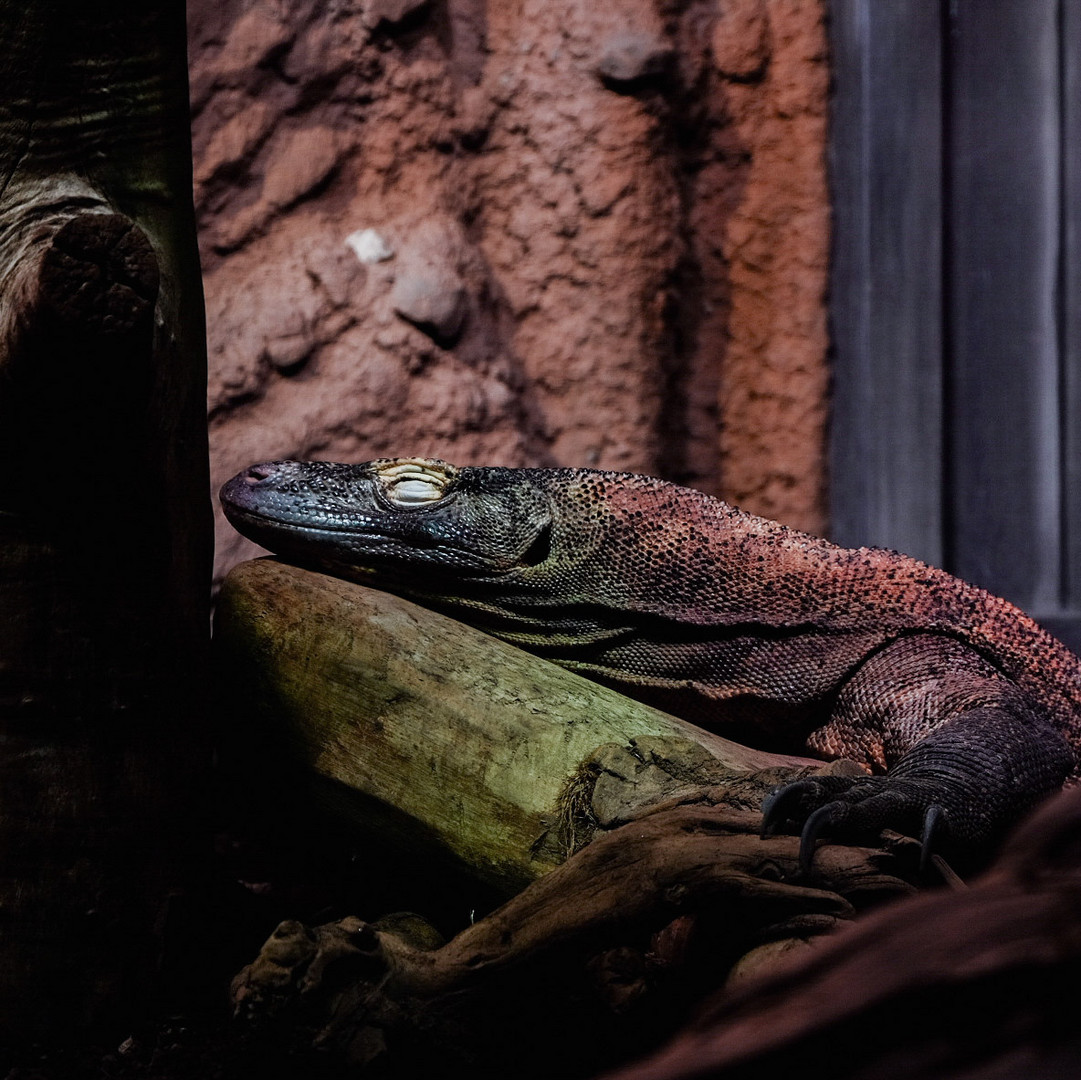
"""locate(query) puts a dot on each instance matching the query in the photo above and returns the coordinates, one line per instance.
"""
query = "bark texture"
(104, 529)
(591, 965)
(518, 233)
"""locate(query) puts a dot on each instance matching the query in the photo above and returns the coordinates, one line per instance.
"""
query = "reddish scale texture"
(901, 693)
(683, 600)
(812, 613)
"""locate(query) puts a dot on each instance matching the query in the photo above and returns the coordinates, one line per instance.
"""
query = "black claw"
(769, 813)
(778, 801)
(813, 828)
(935, 822)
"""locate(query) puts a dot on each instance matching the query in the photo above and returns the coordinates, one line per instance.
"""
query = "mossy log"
(449, 736)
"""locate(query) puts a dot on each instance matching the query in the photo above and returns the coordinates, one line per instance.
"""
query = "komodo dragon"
(964, 710)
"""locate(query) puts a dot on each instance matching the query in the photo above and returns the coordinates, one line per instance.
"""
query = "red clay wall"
(532, 232)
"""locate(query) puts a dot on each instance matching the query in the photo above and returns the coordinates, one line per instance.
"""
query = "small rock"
(331, 269)
(255, 38)
(302, 162)
(287, 354)
(392, 337)
(632, 57)
(475, 114)
(433, 300)
(429, 290)
(369, 246)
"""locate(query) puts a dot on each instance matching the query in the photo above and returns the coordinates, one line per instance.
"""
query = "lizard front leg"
(961, 746)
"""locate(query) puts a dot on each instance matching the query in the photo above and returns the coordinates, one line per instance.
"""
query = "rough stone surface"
(740, 39)
(624, 274)
(392, 11)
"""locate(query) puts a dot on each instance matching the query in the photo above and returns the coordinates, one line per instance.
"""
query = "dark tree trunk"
(104, 542)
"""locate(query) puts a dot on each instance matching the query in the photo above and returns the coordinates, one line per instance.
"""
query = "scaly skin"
(771, 636)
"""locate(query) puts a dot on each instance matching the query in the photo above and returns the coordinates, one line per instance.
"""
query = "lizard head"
(395, 518)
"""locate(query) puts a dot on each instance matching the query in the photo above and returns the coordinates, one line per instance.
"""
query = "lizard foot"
(961, 787)
(854, 808)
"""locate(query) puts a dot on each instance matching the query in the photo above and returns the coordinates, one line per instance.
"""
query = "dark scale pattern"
(737, 622)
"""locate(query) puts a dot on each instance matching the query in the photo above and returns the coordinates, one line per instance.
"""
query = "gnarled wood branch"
(594, 963)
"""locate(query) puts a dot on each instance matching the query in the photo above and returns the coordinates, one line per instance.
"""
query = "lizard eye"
(415, 482)
(411, 492)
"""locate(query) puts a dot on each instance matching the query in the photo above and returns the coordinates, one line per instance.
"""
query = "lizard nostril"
(256, 473)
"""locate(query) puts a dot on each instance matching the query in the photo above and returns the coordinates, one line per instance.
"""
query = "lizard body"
(769, 635)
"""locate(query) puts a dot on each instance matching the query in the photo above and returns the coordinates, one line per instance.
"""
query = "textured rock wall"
(518, 232)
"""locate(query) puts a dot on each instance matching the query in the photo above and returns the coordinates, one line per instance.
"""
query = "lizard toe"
(791, 803)
(856, 809)
(817, 823)
(936, 824)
